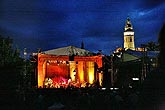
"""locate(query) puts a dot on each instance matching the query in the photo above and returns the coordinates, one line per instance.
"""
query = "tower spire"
(128, 25)
(82, 45)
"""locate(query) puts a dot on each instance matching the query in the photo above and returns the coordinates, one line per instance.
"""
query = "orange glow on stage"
(58, 71)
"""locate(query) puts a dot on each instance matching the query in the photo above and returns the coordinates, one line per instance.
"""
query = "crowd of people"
(82, 99)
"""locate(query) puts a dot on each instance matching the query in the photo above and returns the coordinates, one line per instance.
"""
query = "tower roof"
(128, 25)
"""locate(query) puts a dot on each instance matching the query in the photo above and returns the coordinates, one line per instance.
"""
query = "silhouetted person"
(152, 96)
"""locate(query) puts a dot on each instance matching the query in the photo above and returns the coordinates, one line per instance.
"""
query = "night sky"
(49, 24)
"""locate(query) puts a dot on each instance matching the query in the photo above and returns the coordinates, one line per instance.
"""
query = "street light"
(135, 79)
(24, 75)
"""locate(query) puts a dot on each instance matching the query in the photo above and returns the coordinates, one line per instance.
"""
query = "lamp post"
(25, 55)
(24, 75)
(112, 73)
(144, 63)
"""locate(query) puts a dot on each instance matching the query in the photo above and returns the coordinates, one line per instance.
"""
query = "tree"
(11, 64)
(152, 46)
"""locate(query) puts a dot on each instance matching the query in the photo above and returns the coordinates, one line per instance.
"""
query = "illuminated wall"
(41, 73)
(81, 71)
(100, 78)
(73, 70)
(90, 71)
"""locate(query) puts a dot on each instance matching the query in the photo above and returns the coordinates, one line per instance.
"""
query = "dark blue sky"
(50, 24)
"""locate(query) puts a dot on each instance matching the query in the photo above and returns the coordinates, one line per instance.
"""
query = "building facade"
(55, 71)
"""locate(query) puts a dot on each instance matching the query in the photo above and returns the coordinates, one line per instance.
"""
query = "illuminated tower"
(129, 36)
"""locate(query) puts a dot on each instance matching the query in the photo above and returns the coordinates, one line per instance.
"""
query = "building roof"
(140, 53)
(128, 57)
(69, 50)
(131, 55)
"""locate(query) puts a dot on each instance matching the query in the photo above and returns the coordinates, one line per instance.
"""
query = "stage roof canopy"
(69, 50)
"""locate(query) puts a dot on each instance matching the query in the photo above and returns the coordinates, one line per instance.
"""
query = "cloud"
(145, 4)
(99, 23)
(148, 13)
